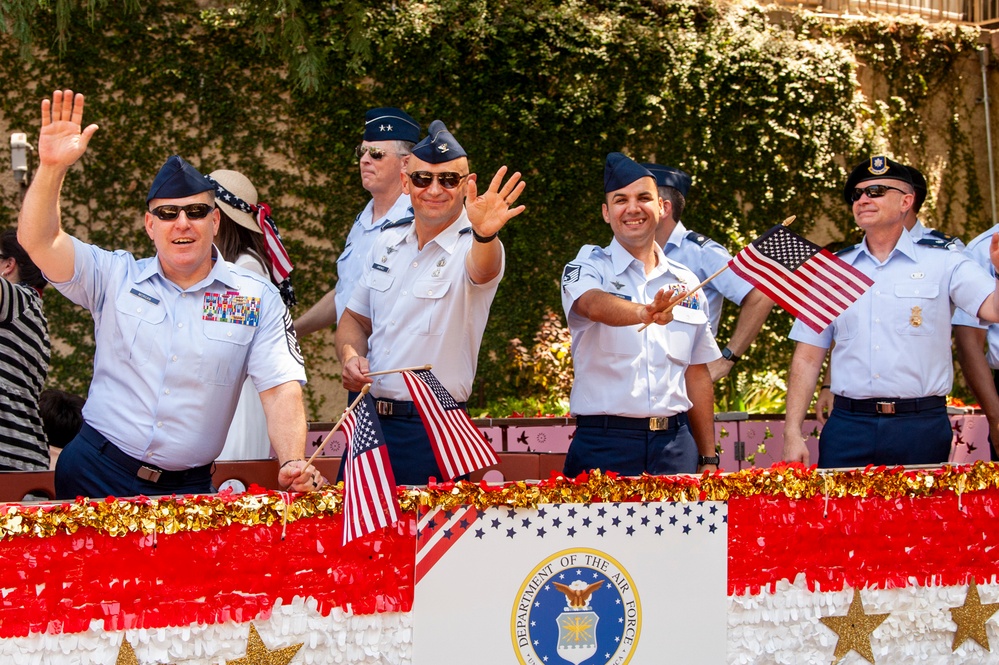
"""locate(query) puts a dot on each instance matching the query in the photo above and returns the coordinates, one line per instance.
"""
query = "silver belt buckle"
(886, 407)
(383, 408)
(147, 474)
(658, 423)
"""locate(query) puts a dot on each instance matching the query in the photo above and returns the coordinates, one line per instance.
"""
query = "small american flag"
(280, 261)
(369, 498)
(458, 445)
(809, 282)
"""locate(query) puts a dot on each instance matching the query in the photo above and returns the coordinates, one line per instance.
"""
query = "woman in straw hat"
(241, 241)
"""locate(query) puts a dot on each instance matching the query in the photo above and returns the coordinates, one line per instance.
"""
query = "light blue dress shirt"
(978, 251)
(169, 362)
(895, 340)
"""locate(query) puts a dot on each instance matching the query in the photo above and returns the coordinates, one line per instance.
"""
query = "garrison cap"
(388, 123)
(176, 180)
(621, 170)
(439, 146)
(668, 176)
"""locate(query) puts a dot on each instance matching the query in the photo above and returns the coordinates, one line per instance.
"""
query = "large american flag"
(369, 498)
(458, 445)
(806, 280)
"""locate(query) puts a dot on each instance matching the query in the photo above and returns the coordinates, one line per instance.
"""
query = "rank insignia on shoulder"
(939, 243)
(698, 238)
(380, 267)
(388, 224)
(946, 237)
(571, 273)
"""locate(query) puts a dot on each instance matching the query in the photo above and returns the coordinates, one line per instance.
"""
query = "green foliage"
(544, 371)
(762, 109)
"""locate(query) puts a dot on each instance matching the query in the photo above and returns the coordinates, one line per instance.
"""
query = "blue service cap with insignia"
(878, 166)
(390, 124)
(621, 170)
(176, 180)
(668, 176)
(439, 146)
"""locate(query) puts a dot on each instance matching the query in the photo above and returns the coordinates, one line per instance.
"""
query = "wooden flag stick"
(357, 400)
(787, 222)
(680, 296)
(401, 369)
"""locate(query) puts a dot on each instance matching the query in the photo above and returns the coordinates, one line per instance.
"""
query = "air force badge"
(570, 274)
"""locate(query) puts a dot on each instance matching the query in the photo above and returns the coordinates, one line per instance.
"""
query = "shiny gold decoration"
(169, 515)
(126, 654)
(258, 654)
(916, 317)
(854, 629)
(971, 617)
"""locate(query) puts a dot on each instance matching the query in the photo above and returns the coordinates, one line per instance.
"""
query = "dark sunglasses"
(376, 153)
(872, 191)
(447, 179)
(192, 210)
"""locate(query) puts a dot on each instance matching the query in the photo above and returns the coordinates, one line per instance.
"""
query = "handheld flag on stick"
(458, 445)
(369, 494)
(809, 282)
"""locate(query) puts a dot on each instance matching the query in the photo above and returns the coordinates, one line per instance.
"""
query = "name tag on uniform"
(145, 296)
(378, 266)
(231, 307)
(621, 296)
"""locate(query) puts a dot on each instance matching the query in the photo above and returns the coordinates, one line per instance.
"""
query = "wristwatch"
(714, 459)
(728, 355)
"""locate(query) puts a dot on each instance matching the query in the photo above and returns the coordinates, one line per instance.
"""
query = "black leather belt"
(888, 405)
(392, 407)
(147, 472)
(654, 424)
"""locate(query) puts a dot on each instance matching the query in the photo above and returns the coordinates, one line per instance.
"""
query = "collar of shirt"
(398, 210)
(678, 234)
(446, 239)
(621, 260)
(906, 245)
(220, 272)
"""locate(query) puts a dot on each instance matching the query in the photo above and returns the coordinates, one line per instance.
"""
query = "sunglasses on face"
(872, 191)
(376, 153)
(192, 210)
(447, 179)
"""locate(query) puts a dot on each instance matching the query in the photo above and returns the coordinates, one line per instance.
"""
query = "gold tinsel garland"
(167, 515)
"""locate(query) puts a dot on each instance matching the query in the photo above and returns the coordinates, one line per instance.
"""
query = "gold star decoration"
(126, 654)
(258, 654)
(971, 617)
(854, 629)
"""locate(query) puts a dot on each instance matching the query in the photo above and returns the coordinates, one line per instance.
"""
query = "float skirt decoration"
(908, 556)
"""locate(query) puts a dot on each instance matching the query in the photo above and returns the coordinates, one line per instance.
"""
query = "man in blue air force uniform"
(643, 401)
(389, 136)
(425, 298)
(891, 362)
(176, 335)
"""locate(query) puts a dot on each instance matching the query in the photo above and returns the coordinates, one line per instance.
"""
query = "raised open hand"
(490, 212)
(62, 140)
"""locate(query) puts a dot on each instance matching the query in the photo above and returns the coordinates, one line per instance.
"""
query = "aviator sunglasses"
(872, 191)
(192, 210)
(447, 179)
(376, 153)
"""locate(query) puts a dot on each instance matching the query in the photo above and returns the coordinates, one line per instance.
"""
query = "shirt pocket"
(914, 308)
(679, 345)
(223, 352)
(135, 333)
(429, 309)
(620, 340)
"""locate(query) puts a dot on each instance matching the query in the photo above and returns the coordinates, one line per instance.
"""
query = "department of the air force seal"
(578, 606)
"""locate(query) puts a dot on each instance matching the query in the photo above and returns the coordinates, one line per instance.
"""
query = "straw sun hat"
(240, 186)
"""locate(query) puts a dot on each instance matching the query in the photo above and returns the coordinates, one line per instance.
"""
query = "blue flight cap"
(621, 170)
(390, 124)
(878, 166)
(669, 176)
(176, 180)
(439, 146)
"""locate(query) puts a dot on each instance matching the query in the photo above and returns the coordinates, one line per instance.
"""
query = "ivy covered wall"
(765, 108)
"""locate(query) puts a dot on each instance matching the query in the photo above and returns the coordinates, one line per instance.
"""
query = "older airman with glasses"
(891, 359)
